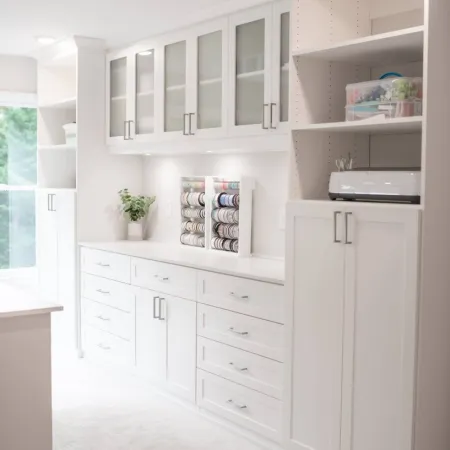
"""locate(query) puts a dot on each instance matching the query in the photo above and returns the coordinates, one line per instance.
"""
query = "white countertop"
(261, 269)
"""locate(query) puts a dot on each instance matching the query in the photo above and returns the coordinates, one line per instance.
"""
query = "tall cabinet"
(353, 292)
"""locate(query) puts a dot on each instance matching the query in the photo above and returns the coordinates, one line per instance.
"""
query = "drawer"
(166, 278)
(255, 298)
(254, 371)
(109, 319)
(244, 332)
(101, 345)
(105, 264)
(245, 407)
(108, 292)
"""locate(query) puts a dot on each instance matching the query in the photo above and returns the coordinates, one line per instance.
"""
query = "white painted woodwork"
(119, 323)
(263, 300)
(248, 333)
(111, 293)
(107, 265)
(245, 407)
(151, 337)
(351, 372)
(256, 372)
(315, 298)
(180, 316)
(166, 278)
(25, 380)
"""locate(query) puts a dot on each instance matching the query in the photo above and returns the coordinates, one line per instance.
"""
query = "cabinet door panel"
(181, 346)
(151, 336)
(315, 284)
(380, 323)
(118, 73)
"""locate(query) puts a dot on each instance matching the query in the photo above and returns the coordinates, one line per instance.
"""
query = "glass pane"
(17, 229)
(175, 86)
(250, 40)
(284, 76)
(118, 91)
(145, 99)
(210, 81)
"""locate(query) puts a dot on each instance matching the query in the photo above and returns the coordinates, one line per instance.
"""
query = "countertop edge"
(30, 311)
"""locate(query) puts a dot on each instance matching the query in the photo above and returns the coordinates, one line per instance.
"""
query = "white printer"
(383, 185)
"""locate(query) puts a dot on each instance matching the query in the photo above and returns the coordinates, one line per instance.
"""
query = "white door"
(180, 315)
(151, 335)
(47, 246)
(315, 289)
(279, 105)
(208, 82)
(119, 76)
(250, 70)
(382, 270)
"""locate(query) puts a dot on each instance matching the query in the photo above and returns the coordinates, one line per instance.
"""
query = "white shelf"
(387, 126)
(210, 81)
(255, 74)
(399, 46)
(118, 98)
(177, 87)
(67, 103)
(59, 147)
(146, 93)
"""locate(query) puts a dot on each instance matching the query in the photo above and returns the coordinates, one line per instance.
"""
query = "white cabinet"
(166, 341)
(352, 287)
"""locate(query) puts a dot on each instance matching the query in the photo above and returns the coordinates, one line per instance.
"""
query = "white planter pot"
(135, 231)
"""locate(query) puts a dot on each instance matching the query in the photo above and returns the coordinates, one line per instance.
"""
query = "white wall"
(18, 74)
(162, 178)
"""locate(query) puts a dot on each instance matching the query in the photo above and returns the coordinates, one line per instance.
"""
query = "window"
(18, 173)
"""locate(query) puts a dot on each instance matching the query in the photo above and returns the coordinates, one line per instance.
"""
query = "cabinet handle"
(48, 202)
(184, 125)
(237, 405)
(264, 117)
(241, 369)
(190, 124)
(271, 116)
(154, 308)
(105, 319)
(160, 308)
(161, 278)
(241, 333)
(102, 264)
(103, 292)
(125, 130)
(347, 214)
(243, 297)
(129, 130)
(103, 346)
(335, 239)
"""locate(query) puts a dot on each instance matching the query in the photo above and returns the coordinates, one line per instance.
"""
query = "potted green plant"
(135, 209)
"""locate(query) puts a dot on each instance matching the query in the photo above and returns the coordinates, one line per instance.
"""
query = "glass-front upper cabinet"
(250, 70)
(118, 69)
(208, 81)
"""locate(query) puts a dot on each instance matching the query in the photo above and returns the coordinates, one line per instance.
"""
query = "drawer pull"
(103, 264)
(243, 297)
(236, 405)
(105, 319)
(103, 292)
(241, 333)
(162, 278)
(241, 369)
(103, 346)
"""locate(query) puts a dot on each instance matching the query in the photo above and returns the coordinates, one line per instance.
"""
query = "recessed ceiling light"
(208, 151)
(45, 40)
(148, 154)
(146, 53)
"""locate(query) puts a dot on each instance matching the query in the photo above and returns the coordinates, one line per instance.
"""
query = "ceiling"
(118, 22)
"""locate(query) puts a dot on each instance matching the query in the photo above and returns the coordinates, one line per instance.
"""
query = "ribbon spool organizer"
(227, 213)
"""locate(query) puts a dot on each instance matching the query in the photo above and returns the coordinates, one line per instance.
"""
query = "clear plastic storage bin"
(390, 97)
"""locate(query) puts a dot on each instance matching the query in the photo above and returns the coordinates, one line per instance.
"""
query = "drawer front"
(244, 332)
(105, 264)
(101, 345)
(254, 371)
(255, 298)
(108, 292)
(109, 319)
(166, 278)
(245, 407)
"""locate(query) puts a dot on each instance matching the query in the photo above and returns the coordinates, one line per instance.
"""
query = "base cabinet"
(352, 276)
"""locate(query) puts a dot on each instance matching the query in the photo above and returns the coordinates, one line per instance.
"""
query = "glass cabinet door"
(175, 87)
(118, 98)
(209, 81)
(284, 68)
(145, 92)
